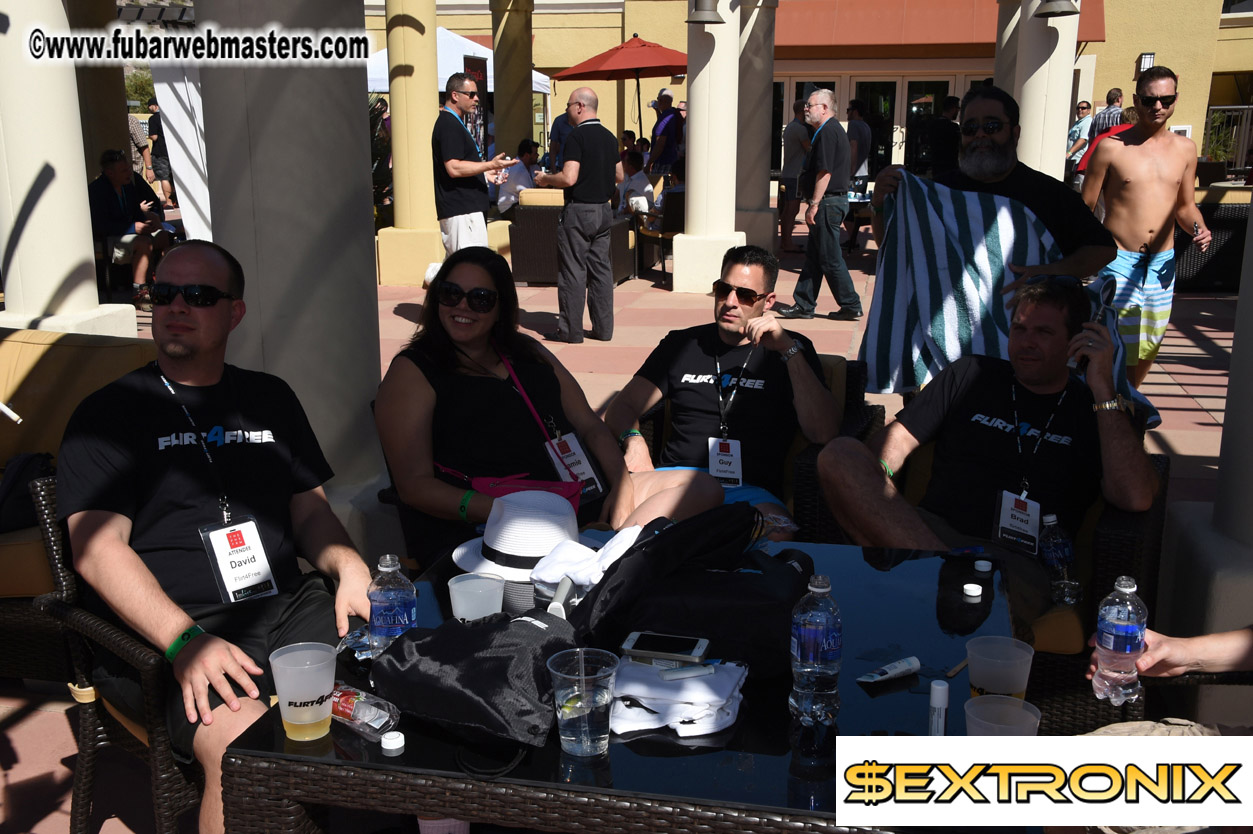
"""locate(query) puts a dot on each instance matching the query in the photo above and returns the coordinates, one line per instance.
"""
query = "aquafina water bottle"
(817, 635)
(1058, 554)
(1120, 628)
(393, 604)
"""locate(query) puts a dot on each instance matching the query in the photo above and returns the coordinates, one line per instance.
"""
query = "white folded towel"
(582, 564)
(689, 706)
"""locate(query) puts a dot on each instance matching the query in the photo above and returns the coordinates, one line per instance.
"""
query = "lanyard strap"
(223, 504)
(1013, 395)
(725, 408)
(461, 122)
(517, 384)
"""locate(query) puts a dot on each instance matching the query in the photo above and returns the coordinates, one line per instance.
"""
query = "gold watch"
(1116, 404)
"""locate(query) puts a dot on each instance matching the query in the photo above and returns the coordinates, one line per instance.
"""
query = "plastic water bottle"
(393, 604)
(1120, 627)
(1058, 553)
(369, 715)
(817, 635)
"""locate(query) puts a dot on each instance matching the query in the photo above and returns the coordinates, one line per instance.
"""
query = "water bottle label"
(1058, 554)
(1124, 638)
(815, 644)
(390, 618)
(343, 703)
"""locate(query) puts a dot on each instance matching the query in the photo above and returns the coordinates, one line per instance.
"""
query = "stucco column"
(1045, 73)
(406, 249)
(1207, 551)
(753, 214)
(511, 61)
(1006, 68)
(296, 212)
(46, 256)
(713, 52)
(101, 91)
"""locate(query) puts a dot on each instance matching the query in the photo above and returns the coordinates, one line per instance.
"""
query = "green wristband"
(465, 504)
(626, 435)
(182, 640)
(887, 468)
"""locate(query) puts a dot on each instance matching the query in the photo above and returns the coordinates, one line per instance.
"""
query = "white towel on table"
(584, 566)
(689, 706)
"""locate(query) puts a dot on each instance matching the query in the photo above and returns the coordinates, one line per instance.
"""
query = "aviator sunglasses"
(990, 126)
(196, 295)
(746, 296)
(479, 299)
(1151, 101)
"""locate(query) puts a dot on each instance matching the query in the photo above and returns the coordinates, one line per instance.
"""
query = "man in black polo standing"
(590, 170)
(824, 184)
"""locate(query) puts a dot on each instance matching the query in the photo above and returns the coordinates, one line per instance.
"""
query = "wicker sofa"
(533, 240)
(43, 377)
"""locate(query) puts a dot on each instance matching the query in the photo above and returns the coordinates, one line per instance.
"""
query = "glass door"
(880, 100)
(924, 100)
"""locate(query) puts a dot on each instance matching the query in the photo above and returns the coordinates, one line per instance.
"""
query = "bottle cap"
(983, 566)
(939, 694)
(1050, 518)
(973, 591)
(393, 743)
(819, 582)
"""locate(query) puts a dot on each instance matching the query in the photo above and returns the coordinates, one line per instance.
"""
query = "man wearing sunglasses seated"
(1146, 175)
(988, 163)
(189, 488)
(738, 390)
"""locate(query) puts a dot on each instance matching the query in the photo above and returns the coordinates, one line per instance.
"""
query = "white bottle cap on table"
(973, 589)
(983, 566)
(393, 743)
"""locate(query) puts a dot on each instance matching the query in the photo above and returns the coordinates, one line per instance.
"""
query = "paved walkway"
(1188, 386)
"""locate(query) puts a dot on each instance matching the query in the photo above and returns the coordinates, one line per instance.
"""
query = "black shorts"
(161, 168)
(306, 614)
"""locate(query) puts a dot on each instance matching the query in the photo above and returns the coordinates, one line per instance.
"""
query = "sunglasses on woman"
(990, 126)
(196, 295)
(746, 296)
(479, 299)
(1151, 101)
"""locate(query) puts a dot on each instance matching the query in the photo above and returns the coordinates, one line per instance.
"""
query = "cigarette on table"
(10, 413)
(952, 672)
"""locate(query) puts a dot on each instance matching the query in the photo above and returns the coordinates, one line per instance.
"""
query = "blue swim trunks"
(746, 492)
(1146, 287)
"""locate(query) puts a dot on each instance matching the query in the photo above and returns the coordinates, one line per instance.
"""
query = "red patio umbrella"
(634, 59)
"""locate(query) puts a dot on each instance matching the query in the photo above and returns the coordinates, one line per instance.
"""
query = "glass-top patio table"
(763, 774)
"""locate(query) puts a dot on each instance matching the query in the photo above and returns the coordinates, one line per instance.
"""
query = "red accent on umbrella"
(634, 59)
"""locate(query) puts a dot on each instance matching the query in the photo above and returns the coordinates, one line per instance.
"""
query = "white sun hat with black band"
(522, 528)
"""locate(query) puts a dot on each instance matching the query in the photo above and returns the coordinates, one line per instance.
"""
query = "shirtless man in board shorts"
(1146, 174)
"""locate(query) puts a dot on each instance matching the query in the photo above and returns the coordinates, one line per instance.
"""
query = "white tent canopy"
(450, 49)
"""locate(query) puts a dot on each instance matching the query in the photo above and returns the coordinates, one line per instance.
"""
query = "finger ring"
(1091, 343)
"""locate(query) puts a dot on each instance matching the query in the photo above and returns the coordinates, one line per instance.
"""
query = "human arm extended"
(1128, 480)
(473, 167)
(624, 412)
(106, 561)
(567, 177)
(1187, 215)
(598, 442)
(1167, 657)
(323, 540)
(887, 182)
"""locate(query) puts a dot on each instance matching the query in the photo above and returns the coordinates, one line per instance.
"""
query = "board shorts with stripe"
(1146, 287)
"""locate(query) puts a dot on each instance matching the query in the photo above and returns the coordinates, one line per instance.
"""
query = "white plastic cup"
(1000, 715)
(999, 666)
(304, 678)
(476, 595)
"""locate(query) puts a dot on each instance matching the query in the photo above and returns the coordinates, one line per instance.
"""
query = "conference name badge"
(240, 564)
(725, 462)
(1018, 522)
(568, 449)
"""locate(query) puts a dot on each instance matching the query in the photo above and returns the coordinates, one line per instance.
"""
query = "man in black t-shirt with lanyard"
(189, 488)
(591, 169)
(461, 173)
(1013, 440)
(738, 390)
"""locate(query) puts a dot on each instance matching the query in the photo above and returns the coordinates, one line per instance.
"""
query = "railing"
(1227, 134)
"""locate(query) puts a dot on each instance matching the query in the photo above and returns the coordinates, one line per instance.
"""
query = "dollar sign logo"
(872, 780)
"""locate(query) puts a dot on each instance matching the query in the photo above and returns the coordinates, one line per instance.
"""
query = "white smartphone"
(650, 646)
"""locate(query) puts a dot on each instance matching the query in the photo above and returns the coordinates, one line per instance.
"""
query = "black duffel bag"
(698, 578)
(484, 680)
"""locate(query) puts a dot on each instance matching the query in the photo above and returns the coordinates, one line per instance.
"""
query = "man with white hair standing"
(824, 185)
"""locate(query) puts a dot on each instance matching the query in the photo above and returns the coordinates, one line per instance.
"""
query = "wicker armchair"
(533, 240)
(846, 379)
(1219, 266)
(176, 787)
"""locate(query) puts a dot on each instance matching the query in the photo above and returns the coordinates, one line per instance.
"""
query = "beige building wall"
(1233, 51)
(1181, 34)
